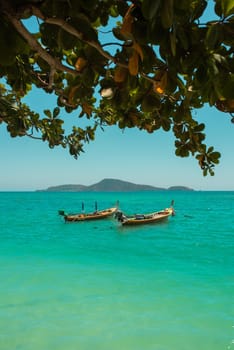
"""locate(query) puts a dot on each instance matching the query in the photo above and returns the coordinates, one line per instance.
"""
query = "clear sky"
(129, 155)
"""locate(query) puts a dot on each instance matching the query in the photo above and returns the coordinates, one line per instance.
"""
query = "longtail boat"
(96, 215)
(141, 219)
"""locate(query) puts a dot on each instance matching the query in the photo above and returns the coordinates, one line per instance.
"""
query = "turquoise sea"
(96, 285)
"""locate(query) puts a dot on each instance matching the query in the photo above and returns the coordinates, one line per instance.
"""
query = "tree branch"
(54, 63)
(68, 28)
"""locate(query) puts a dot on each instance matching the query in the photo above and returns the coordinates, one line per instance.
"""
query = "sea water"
(97, 285)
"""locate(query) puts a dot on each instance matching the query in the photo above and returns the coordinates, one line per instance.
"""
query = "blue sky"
(132, 155)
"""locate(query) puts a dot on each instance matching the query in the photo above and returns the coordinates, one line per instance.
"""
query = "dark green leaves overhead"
(213, 35)
(167, 13)
(11, 43)
(82, 24)
(224, 8)
(150, 68)
(150, 9)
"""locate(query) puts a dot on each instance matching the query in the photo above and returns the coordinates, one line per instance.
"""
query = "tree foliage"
(139, 63)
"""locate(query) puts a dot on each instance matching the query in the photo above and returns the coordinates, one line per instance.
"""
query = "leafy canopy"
(140, 63)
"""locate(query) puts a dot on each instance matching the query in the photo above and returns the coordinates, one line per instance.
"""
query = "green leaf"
(173, 43)
(199, 127)
(212, 36)
(215, 156)
(66, 41)
(213, 68)
(218, 8)
(87, 4)
(198, 8)
(227, 7)
(82, 24)
(167, 13)
(224, 7)
(210, 149)
(224, 85)
(117, 33)
(49, 35)
(88, 77)
(183, 37)
(166, 125)
(228, 33)
(47, 112)
(56, 112)
(150, 103)
(150, 8)
(113, 10)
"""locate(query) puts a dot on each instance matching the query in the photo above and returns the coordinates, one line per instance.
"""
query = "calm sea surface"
(96, 285)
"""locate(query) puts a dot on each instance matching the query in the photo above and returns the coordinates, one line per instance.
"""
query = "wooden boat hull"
(147, 218)
(98, 215)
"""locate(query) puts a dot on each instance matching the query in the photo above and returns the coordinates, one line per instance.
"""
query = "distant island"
(112, 185)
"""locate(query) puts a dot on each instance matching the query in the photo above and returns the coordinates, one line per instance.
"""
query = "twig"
(68, 28)
(54, 63)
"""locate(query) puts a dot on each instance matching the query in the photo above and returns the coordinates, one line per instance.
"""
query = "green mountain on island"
(112, 185)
